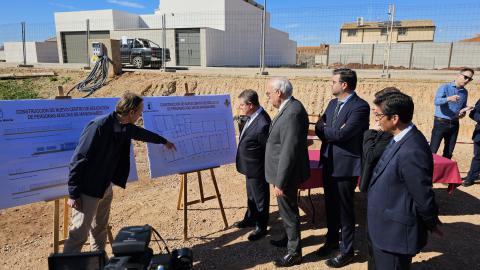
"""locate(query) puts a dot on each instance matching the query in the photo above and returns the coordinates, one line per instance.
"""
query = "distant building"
(376, 32)
(474, 39)
(198, 33)
(312, 55)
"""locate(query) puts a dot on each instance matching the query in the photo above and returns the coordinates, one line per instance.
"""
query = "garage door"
(188, 47)
(74, 45)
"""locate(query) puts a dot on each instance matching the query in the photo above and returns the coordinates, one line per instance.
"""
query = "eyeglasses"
(378, 116)
(467, 78)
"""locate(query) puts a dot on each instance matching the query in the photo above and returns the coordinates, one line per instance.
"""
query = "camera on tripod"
(131, 250)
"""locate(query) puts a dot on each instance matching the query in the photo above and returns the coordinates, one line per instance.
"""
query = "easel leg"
(200, 186)
(179, 202)
(65, 218)
(185, 221)
(219, 198)
(56, 225)
(110, 235)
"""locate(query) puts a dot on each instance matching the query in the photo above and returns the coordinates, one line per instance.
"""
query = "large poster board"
(201, 128)
(37, 140)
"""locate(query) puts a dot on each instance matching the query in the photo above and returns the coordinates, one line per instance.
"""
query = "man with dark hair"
(102, 157)
(251, 163)
(401, 206)
(341, 130)
(287, 164)
(450, 106)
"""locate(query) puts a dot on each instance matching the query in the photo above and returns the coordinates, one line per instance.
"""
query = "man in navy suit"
(251, 163)
(341, 130)
(474, 171)
(401, 206)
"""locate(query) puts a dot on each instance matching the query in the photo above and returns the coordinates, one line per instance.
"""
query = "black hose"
(95, 79)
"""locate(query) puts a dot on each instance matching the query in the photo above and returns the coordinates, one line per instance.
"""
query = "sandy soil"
(26, 234)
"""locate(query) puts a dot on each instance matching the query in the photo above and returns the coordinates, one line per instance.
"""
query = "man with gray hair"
(287, 163)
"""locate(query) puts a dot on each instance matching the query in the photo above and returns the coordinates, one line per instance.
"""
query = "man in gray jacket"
(287, 163)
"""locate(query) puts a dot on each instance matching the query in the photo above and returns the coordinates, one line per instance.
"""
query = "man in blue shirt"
(450, 106)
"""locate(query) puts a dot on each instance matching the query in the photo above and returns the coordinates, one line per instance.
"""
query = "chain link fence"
(375, 35)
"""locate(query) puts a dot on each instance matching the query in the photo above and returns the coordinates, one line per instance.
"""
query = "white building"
(199, 33)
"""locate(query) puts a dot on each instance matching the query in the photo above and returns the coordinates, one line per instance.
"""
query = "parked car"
(141, 53)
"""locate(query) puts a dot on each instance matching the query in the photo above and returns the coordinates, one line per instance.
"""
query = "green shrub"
(16, 89)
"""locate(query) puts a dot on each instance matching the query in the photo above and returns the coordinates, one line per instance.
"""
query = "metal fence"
(374, 35)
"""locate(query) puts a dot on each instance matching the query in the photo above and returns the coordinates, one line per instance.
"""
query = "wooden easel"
(56, 210)
(186, 203)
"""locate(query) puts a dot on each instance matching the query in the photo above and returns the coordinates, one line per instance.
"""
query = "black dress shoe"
(467, 183)
(279, 243)
(257, 234)
(243, 224)
(340, 260)
(288, 260)
(327, 250)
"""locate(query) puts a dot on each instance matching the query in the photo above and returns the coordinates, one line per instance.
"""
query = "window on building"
(383, 31)
(402, 31)
(352, 32)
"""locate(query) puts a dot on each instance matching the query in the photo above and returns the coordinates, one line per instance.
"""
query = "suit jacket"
(374, 143)
(401, 203)
(475, 115)
(286, 157)
(251, 147)
(342, 142)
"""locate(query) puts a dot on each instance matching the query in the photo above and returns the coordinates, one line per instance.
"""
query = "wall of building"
(193, 14)
(47, 52)
(2, 55)
(375, 36)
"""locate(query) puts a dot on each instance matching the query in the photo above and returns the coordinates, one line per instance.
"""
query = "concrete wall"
(37, 52)
(2, 55)
(409, 55)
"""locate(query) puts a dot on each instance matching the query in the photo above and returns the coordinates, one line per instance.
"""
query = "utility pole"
(388, 47)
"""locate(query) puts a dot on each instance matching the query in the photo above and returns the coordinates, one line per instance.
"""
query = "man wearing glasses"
(450, 106)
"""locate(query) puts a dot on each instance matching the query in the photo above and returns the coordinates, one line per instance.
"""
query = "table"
(445, 171)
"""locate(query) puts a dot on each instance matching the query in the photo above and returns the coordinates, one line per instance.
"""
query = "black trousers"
(446, 130)
(288, 208)
(384, 260)
(474, 171)
(339, 198)
(258, 202)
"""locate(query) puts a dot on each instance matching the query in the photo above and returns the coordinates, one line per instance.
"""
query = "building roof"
(474, 39)
(377, 25)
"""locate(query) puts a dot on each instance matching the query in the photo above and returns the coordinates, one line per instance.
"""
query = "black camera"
(132, 252)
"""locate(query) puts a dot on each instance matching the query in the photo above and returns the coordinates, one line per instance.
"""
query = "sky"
(309, 22)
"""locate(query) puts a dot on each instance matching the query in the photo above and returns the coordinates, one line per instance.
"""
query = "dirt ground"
(26, 231)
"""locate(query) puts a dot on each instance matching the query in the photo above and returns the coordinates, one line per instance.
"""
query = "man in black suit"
(401, 203)
(251, 163)
(341, 130)
(474, 171)
(287, 163)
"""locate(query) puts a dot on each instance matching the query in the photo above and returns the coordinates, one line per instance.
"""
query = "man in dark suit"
(287, 163)
(474, 171)
(341, 130)
(251, 163)
(401, 203)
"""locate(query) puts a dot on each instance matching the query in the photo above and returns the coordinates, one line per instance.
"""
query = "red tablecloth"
(445, 171)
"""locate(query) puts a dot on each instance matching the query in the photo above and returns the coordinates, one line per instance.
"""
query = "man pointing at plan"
(101, 158)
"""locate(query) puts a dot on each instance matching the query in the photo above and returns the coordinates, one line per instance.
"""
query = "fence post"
(450, 55)
(87, 37)
(373, 53)
(411, 57)
(23, 44)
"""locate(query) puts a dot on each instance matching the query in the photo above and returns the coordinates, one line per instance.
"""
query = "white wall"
(14, 52)
(2, 55)
(193, 13)
(76, 21)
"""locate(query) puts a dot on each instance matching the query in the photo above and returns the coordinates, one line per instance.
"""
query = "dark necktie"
(335, 113)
